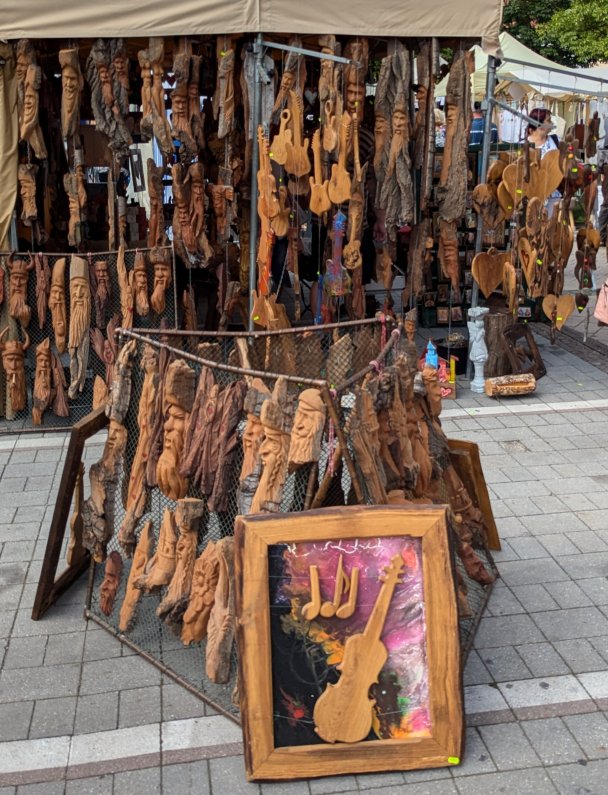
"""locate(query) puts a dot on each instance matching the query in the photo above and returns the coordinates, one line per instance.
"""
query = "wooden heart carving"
(505, 200)
(487, 269)
(495, 171)
(527, 259)
(546, 177)
(561, 308)
(513, 180)
(509, 285)
(534, 213)
(561, 237)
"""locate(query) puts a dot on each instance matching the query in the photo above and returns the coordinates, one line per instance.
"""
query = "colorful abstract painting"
(323, 593)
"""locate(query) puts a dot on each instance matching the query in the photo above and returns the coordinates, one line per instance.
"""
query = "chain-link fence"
(334, 358)
(80, 406)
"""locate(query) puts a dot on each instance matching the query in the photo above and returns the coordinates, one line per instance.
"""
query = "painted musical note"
(343, 584)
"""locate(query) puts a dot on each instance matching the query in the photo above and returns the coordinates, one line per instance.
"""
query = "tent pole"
(255, 164)
(483, 168)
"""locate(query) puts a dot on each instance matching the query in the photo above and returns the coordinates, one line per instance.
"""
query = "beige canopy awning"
(135, 18)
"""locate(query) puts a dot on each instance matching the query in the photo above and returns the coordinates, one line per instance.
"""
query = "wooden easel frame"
(466, 461)
(49, 588)
(444, 744)
(510, 338)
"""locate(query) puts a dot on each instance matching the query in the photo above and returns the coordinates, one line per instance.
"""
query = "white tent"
(539, 75)
(136, 18)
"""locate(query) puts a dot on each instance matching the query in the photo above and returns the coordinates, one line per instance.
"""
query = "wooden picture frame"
(285, 565)
(443, 314)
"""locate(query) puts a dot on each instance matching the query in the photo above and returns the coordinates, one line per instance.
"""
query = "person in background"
(602, 167)
(476, 131)
(543, 139)
(439, 128)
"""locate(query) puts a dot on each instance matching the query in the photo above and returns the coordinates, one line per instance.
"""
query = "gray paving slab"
(580, 655)
(580, 778)
(591, 733)
(504, 663)
(578, 622)
(533, 782)
(227, 777)
(132, 781)
(140, 705)
(25, 652)
(542, 659)
(552, 741)
(16, 719)
(95, 713)
(53, 717)
(509, 746)
(48, 788)
(190, 779)
(96, 785)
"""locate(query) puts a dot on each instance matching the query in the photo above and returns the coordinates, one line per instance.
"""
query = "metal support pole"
(255, 164)
(483, 168)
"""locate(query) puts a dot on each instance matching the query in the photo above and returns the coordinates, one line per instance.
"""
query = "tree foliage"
(581, 28)
(527, 21)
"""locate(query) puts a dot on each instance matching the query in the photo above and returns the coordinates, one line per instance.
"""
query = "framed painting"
(348, 645)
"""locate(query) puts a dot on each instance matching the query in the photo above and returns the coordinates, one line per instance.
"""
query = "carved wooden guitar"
(297, 162)
(344, 711)
(284, 136)
(319, 199)
(339, 184)
(335, 282)
(268, 203)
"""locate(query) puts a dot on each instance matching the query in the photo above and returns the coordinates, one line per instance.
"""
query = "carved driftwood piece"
(307, 431)
(363, 430)
(227, 444)
(178, 398)
(253, 435)
(202, 595)
(137, 492)
(220, 629)
(72, 84)
(18, 275)
(154, 117)
(125, 285)
(339, 359)
(156, 221)
(223, 97)
(200, 422)
(106, 109)
(196, 179)
(26, 175)
(28, 104)
(452, 190)
(161, 566)
(98, 509)
(12, 353)
(100, 391)
(163, 277)
(448, 256)
(395, 190)
(80, 322)
(102, 291)
(42, 395)
(497, 363)
(276, 416)
(139, 285)
(110, 583)
(173, 606)
(75, 551)
(141, 556)
(508, 385)
(120, 395)
(294, 74)
(183, 235)
(60, 403)
(156, 432)
(74, 184)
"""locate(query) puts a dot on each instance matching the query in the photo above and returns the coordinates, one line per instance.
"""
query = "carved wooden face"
(252, 439)
(273, 453)
(13, 363)
(179, 106)
(307, 429)
(23, 61)
(30, 105)
(43, 369)
(58, 315)
(355, 100)
(399, 122)
(120, 69)
(111, 581)
(101, 272)
(70, 84)
(170, 482)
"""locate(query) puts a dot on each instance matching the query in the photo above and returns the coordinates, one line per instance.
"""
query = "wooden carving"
(163, 277)
(26, 175)
(159, 569)
(197, 124)
(253, 435)
(363, 430)
(451, 193)
(178, 398)
(221, 196)
(29, 124)
(448, 255)
(180, 101)
(75, 551)
(227, 444)
(141, 556)
(12, 353)
(156, 221)
(125, 285)
(395, 190)
(339, 183)
(221, 626)
(297, 161)
(527, 259)
(120, 396)
(307, 431)
(276, 417)
(558, 310)
(18, 275)
(102, 291)
(202, 595)
(223, 97)
(509, 285)
(80, 321)
(507, 385)
(319, 198)
(196, 178)
(60, 402)
(108, 114)
(173, 606)
(424, 129)
(199, 427)
(183, 234)
(485, 204)
(139, 285)
(42, 395)
(74, 186)
(339, 359)
(294, 74)
(72, 84)
(110, 583)
(488, 269)
(154, 117)
(137, 492)
(98, 509)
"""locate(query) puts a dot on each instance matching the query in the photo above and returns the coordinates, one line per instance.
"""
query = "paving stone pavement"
(80, 713)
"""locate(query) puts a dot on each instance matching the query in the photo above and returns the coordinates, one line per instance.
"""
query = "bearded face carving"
(29, 126)
(102, 291)
(71, 83)
(13, 355)
(140, 285)
(26, 174)
(80, 320)
(19, 271)
(178, 398)
(111, 582)
(162, 280)
(43, 392)
(307, 431)
(57, 304)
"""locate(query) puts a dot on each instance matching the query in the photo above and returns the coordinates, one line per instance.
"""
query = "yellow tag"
(519, 190)
(453, 760)
(270, 154)
(559, 318)
(575, 170)
(256, 317)
(539, 262)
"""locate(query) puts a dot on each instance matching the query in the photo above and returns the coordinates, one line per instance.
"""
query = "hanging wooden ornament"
(559, 309)
(487, 269)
